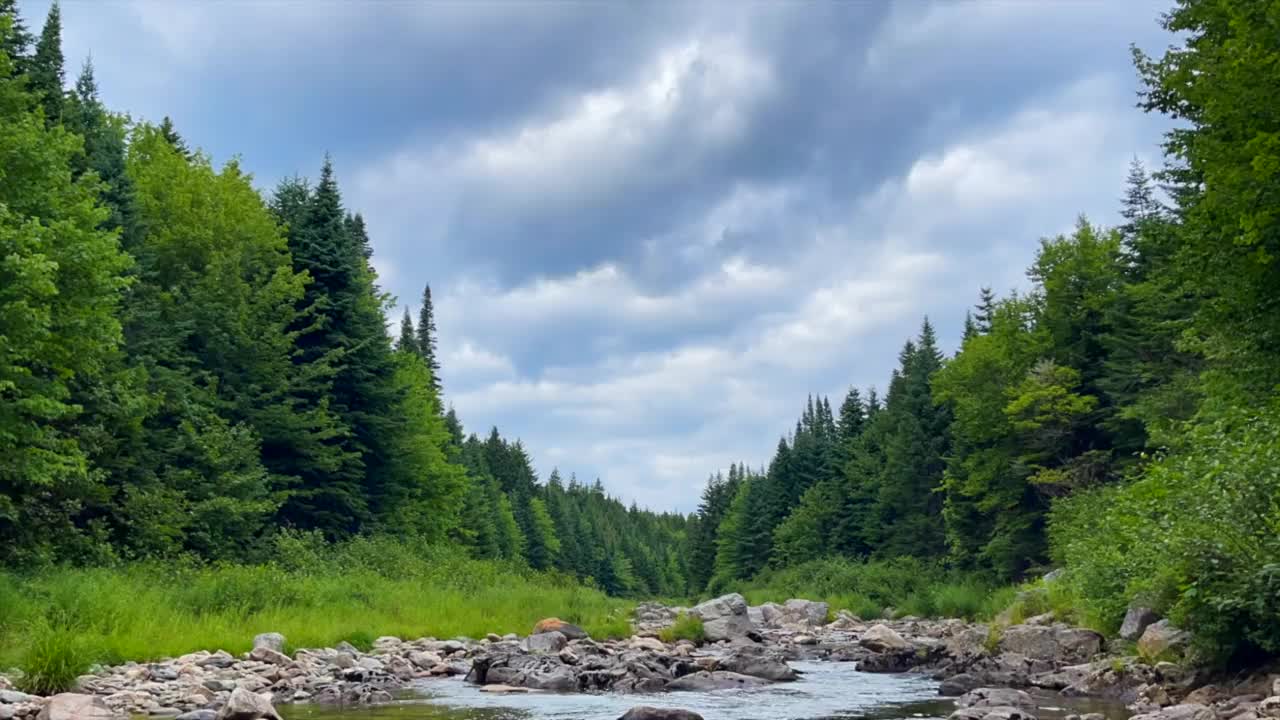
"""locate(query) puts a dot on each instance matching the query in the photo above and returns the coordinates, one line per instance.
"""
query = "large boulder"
(806, 612)
(1269, 707)
(1161, 638)
(996, 697)
(646, 712)
(569, 630)
(1136, 620)
(246, 705)
(1185, 711)
(703, 681)
(74, 706)
(992, 712)
(1058, 644)
(882, 638)
(547, 642)
(724, 618)
(757, 665)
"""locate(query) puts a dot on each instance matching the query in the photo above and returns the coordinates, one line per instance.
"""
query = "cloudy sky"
(653, 228)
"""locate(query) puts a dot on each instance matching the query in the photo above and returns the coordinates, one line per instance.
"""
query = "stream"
(826, 691)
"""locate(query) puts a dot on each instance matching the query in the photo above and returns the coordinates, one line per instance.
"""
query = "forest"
(194, 370)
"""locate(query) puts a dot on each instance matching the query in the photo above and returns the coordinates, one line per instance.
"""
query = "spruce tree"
(986, 308)
(15, 41)
(408, 341)
(46, 69)
(427, 337)
(171, 136)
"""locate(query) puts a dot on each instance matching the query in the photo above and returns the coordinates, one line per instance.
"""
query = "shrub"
(686, 627)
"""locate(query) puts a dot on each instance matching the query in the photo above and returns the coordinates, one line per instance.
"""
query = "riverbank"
(988, 667)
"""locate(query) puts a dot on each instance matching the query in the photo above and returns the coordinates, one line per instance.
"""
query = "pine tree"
(171, 136)
(15, 41)
(986, 308)
(427, 337)
(46, 68)
(104, 153)
(408, 341)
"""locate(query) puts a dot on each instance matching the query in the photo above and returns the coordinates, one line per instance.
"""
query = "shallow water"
(826, 691)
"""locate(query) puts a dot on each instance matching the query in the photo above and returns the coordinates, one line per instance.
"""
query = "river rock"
(503, 689)
(959, 684)
(547, 642)
(202, 714)
(703, 681)
(1136, 620)
(882, 638)
(74, 706)
(992, 712)
(569, 630)
(1162, 637)
(246, 705)
(724, 618)
(647, 643)
(996, 697)
(1269, 707)
(757, 665)
(1185, 711)
(806, 612)
(7, 712)
(646, 712)
(1058, 644)
(13, 697)
(271, 640)
(267, 655)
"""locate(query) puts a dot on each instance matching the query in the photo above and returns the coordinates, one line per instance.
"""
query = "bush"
(686, 627)
(1197, 536)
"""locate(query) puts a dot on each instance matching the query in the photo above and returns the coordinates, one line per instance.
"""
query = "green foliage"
(1195, 535)
(685, 627)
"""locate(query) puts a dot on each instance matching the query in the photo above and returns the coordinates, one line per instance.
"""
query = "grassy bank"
(910, 586)
(56, 622)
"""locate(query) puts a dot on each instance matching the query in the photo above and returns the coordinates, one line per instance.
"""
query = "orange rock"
(569, 630)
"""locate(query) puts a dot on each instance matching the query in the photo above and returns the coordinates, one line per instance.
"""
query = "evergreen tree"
(427, 337)
(46, 68)
(15, 41)
(408, 341)
(986, 309)
(171, 136)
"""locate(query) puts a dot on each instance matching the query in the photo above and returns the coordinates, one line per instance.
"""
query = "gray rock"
(724, 618)
(198, 715)
(1136, 620)
(1054, 644)
(267, 655)
(13, 697)
(760, 666)
(246, 705)
(547, 642)
(347, 648)
(1269, 707)
(959, 684)
(1185, 711)
(996, 697)
(882, 638)
(1162, 637)
(992, 712)
(269, 640)
(646, 712)
(74, 706)
(7, 712)
(343, 660)
(806, 612)
(703, 681)
(556, 679)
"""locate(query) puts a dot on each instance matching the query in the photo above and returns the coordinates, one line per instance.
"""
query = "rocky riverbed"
(988, 669)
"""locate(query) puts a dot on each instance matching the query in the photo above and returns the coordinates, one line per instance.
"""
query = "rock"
(703, 681)
(269, 640)
(1053, 575)
(7, 712)
(760, 666)
(267, 655)
(724, 618)
(547, 642)
(648, 643)
(348, 648)
(1054, 644)
(424, 660)
(996, 697)
(1136, 620)
(503, 689)
(882, 638)
(646, 712)
(568, 657)
(1185, 711)
(246, 705)
(343, 660)
(13, 697)
(806, 612)
(804, 640)
(959, 684)
(992, 712)
(1269, 707)
(569, 630)
(74, 706)
(1161, 638)
(493, 637)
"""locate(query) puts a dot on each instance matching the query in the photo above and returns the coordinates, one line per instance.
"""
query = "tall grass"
(55, 623)
(867, 589)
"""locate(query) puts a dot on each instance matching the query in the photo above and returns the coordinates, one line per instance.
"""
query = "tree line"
(189, 366)
(1116, 418)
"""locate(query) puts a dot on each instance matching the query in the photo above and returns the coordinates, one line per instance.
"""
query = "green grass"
(686, 627)
(56, 622)
(911, 587)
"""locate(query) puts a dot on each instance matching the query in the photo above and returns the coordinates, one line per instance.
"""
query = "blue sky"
(653, 228)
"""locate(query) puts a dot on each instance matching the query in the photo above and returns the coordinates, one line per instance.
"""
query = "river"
(826, 691)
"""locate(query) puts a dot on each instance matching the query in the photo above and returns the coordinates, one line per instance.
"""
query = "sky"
(653, 229)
